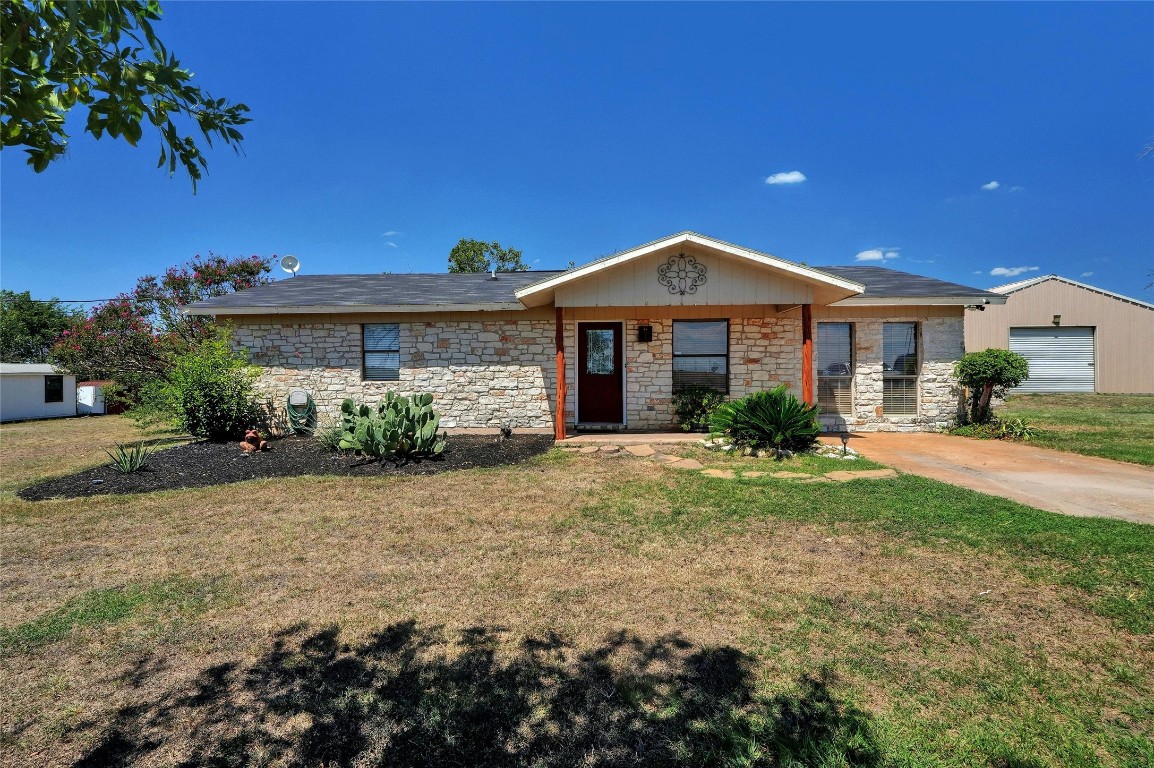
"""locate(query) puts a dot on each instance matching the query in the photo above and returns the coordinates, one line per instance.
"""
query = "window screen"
(900, 369)
(701, 354)
(834, 365)
(54, 389)
(382, 345)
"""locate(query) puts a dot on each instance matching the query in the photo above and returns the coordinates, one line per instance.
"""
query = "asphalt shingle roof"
(884, 283)
(380, 290)
(481, 289)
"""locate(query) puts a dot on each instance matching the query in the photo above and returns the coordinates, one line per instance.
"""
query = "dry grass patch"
(31, 451)
(599, 584)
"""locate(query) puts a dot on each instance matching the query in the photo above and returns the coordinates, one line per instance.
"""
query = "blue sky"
(949, 140)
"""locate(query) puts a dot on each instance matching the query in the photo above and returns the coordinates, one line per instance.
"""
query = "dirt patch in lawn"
(201, 464)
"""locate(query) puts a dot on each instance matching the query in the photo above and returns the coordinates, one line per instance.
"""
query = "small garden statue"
(252, 442)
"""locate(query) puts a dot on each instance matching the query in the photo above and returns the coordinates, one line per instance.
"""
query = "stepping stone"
(753, 474)
(665, 458)
(641, 450)
(792, 475)
(844, 475)
(610, 449)
(589, 449)
(687, 464)
(816, 479)
(724, 474)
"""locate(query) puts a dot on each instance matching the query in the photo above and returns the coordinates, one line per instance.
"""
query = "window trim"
(852, 368)
(726, 356)
(915, 377)
(365, 351)
(55, 378)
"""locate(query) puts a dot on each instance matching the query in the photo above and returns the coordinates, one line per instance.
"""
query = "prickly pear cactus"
(399, 427)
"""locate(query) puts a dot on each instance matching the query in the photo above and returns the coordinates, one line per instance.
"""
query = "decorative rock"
(724, 474)
(610, 449)
(844, 475)
(641, 450)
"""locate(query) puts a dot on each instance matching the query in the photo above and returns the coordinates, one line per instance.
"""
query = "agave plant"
(129, 458)
(771, 419)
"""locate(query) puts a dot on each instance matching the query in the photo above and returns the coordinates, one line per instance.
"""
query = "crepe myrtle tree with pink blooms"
(134, 338)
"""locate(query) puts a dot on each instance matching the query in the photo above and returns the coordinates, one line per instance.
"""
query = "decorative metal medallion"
(681, 274)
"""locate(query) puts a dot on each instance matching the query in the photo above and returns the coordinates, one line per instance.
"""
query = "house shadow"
(411, 696)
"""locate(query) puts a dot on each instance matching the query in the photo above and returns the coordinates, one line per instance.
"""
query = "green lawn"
(1119, 427)
(576, 610)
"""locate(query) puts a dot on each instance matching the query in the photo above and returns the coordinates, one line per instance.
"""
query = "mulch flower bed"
(199, 464)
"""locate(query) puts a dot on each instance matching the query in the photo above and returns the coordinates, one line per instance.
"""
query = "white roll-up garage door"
(1061, 359)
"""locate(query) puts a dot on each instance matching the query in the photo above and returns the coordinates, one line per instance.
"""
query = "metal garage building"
(1078, 338)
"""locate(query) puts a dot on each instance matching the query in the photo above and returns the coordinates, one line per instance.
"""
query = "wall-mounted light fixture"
(1057, 320)
(645, 333)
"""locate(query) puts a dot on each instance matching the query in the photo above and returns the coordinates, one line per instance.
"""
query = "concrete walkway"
(1069, 483)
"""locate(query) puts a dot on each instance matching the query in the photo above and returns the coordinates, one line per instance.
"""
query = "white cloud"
(991, 186)
(1011, 271)
(788, 177)
(1087, 274)
(878, 254)
(391, 244)
(390, 233)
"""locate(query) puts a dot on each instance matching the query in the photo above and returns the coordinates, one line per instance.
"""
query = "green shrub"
(985, 370)
(209, 392)
(399, 427)
(694, 406)
(773, 419)
(1012, 429)
(330, 436)
(129, 458)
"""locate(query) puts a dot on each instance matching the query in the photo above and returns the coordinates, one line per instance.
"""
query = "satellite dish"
(290, 264)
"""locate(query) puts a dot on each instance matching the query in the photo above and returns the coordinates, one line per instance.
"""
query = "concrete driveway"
(1060, 482)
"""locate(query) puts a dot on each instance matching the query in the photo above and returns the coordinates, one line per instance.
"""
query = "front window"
(382, 348)
(900, 369)
(834, 363)
(54, 389)
(701, 354)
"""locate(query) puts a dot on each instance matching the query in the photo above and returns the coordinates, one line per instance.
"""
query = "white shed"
(35, 391)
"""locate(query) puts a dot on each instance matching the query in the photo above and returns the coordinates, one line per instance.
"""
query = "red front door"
(599, 377)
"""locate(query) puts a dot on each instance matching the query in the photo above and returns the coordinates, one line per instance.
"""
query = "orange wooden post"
(807, 354)
(559, 417)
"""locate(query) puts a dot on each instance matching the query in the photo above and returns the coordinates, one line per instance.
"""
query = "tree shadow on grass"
(409, 696)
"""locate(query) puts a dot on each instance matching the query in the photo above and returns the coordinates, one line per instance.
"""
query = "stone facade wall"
(485, 374)
(762, 354)
(941, 343)
(481, 374)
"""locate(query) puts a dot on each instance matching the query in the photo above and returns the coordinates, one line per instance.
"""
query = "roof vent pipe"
(494, 275)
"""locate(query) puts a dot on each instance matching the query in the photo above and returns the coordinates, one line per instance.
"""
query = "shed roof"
(27, 369)
(1009, 288)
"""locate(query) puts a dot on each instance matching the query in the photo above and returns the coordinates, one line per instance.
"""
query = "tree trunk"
(984, 403)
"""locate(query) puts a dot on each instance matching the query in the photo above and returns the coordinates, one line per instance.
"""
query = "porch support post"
(807, 354)
(559, 417)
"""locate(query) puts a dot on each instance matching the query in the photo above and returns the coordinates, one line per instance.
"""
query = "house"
(35, 391)
(604, 345)
(1077, 338)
